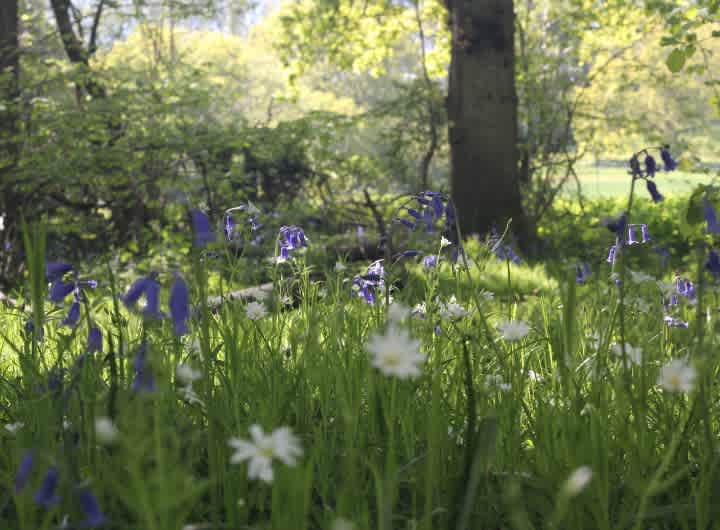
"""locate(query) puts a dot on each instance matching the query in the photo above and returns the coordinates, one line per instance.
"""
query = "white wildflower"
(420, 310)
(105, 430)
(286, 300)
(487, 295)
(578, 481)
(634, 354)
(186, 374)
(677, 376)
(534, 376)
(2, 222)
(513, 329)
(263, 448)
(12, 428)
(452, 310)
(444, 242)
(255, 310)
(395, 353)
(340, 266)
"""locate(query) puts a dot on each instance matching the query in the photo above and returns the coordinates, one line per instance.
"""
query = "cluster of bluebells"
(430, 212)
(502, 250)
(47, 495)
(370, 284)
(651, 168)
(290, 238)
(233, 231)
(626, 234)
(149, 287)
(429, 208)
(61, 287)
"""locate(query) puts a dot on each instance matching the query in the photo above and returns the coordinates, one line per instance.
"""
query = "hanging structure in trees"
(482, 115)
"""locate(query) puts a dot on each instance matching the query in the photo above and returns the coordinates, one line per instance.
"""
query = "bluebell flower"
(617, 226)
(668, 160)
(650, 166)
(635, 170)
(713, 263)
(582, 272)
(91, 508)
(46, 496)
(291, 237)
(152, 300)
(652, 189)
(148, 286)
(430, 261)
(59, 290)
(684, 287)
(413, 212)
(438, 330)
(502, 251)
(438, 206)
(229, 227)
(675, 322)
(373, 279)
(55, 270)
(428, 219)
(713, 227)
(632, 234)
(405, 222)
(179, 305)
(612, 254)
(202, 231)
(94, 341)
(144, 379)
(73, 316)
(24, 470)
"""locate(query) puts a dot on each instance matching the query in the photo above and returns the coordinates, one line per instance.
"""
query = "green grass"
(599, 182)
(485, 437)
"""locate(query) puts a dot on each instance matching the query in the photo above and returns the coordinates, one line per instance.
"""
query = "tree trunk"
(9, 141)
(482, 113)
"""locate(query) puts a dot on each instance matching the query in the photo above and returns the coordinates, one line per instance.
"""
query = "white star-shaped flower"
(452, 310)
(262, 449)
(677, 376)
(513, 329)
(255, 310)
(395, 353)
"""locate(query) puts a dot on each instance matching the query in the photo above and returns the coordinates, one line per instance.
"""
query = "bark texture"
(482, 113)
(9, 130)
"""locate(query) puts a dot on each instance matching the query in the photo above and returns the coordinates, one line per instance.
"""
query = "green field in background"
(614, 181)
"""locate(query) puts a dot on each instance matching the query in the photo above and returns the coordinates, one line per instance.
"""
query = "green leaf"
(676, 60)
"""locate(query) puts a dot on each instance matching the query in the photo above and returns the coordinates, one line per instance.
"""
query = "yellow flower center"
(392, 359)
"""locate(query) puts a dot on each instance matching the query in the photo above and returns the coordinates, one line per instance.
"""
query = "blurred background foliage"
(299, 109)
